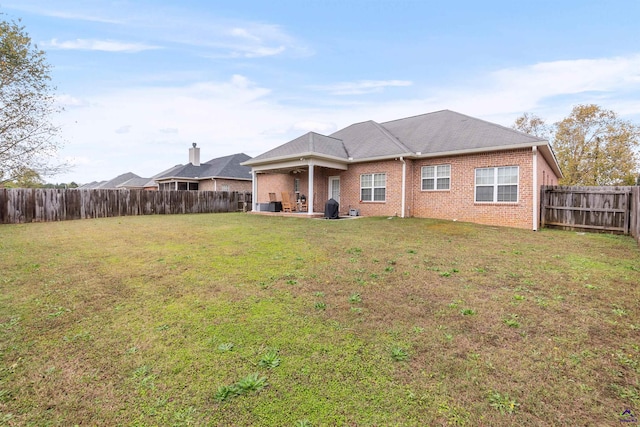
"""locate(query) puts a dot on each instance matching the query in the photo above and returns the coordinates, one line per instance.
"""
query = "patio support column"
(310, 189)
(536, 189)
(254, 191)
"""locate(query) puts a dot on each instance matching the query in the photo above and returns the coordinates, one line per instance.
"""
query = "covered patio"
(296, 187)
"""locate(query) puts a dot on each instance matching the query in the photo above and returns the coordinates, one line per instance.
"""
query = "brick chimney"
(194, 155)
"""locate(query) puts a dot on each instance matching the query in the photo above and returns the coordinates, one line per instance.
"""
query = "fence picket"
(604, 209)
(20, 205)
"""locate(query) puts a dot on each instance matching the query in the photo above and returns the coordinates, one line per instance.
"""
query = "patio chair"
(287, 206)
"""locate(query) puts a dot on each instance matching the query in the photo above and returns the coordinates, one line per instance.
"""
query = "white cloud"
(361, 87)
(98, 45)
(239, 115)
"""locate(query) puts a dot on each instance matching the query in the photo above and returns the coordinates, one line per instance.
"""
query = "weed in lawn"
(418, 329)
(225, 392)
(512, 321)
(468, 312)
(356, 309)
(320, 305)
(619, 311)
(270, 360)
(318, 294)
(399, 354)
(225, 346)
(292, 282)
(503, 402)
(518, 297)
(355, 298)
(354, 251)
(162, 328)
(252, 382)
(303, 423)
(589, 286)
(412, 251)
(388, 269)
(455, 304)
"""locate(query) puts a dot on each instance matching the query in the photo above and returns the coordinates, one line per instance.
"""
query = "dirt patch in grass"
(375, 322)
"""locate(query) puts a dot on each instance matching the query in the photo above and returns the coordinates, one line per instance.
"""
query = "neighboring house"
(112, 183)
(437, 165)
(221, 174)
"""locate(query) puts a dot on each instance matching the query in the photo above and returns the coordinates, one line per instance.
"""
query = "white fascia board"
(293, 157)
(301, 161)
(223, 177)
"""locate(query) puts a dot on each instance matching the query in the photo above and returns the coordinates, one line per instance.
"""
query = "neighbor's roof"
(134, 183)
(117, 180)
(222, 167)
(437, 133)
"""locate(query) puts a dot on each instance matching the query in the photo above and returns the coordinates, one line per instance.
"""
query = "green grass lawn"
(237, 319)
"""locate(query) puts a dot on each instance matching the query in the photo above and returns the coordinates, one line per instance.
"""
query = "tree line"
(593, 146)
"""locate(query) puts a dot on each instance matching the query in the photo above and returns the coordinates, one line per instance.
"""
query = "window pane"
(366, 180)
(484, 176)
(428, 171)
(444, 171)
(508, 175)
(484, 194)
(380, 179)
(443, 183)
(378, 194)
(365, 194)
(507, 193)
(428, 184)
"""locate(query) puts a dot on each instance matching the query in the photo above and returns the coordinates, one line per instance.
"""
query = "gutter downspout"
(254, 191)
(404, 184)
(536, 190)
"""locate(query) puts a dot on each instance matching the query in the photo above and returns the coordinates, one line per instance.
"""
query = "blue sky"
(142, 80)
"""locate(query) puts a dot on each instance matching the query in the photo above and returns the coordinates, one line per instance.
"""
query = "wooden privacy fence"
(20, 205)
(603, 209)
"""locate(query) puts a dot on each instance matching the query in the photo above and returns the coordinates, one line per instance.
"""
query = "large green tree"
(28, 139)
(593, 145)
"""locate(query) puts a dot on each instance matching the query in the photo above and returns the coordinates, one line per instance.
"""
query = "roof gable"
(309, 143)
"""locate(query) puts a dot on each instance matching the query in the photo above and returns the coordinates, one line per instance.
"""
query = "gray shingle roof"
(134, 183)
(310, 142)
(446, 131)
(118, 180)
(432, 133)
(222, 167)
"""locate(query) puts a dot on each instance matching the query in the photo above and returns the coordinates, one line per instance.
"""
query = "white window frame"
(496, 184)
(439, 172)
(373, 187)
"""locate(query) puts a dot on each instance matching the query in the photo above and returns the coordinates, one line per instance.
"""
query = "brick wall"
(458, 202)
(454, 204)
(350, 189)
(217, 185)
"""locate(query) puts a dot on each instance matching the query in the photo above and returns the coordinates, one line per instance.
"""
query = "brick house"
(220, 174)
(437, 165)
